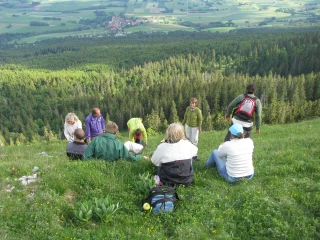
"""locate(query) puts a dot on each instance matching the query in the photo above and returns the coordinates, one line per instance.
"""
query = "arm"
(89, 152)
(88, 133)
(79, 124)
(156, 158)
(235, 102)
(144, 133)
(66, 133)
(103, 123)
(125, 154)
(185, 117)
(223, 150)
(131, 132)
(199, 120)
(258, 115)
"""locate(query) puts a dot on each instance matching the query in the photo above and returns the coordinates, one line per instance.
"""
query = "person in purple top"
(95, 124)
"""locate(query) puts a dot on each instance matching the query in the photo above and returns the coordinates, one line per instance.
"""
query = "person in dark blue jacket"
(95, 124)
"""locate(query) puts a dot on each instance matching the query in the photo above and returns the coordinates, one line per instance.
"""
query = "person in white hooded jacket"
(71, 123)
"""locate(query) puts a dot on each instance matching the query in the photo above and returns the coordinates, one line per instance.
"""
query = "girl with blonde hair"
(71, 123)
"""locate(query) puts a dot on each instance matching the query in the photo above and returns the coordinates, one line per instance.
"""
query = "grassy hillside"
(281, 201)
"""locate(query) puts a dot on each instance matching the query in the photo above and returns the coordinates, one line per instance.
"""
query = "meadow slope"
(281, 201)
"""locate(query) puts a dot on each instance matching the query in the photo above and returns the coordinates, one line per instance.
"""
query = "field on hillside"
(71, 16)
(281, 201)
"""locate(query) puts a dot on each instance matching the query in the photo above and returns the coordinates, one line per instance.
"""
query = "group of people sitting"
(175, 154)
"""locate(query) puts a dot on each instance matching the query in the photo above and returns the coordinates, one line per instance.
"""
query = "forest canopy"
(154, 76)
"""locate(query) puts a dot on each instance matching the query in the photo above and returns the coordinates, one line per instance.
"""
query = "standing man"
(243, 108)
(193, 121)
(95, 124)
(76, 148)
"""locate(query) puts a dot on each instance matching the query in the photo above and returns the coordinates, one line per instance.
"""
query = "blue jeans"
(220, 163)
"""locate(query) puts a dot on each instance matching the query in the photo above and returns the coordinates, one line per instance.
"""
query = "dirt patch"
(70, 196)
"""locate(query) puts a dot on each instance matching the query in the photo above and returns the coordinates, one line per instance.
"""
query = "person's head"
(96, 112)
(251, 88)
(79, 134)
(174, 133)
(193, 102)
(71, 118)
(236, 131)
(111, 127)
(138, 132)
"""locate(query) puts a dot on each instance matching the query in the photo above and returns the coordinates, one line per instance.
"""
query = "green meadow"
(281, 201)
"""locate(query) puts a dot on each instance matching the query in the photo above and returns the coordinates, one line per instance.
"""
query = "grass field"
(281, 201)
(16, 18)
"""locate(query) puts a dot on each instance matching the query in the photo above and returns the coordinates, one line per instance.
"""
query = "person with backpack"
(243, 107)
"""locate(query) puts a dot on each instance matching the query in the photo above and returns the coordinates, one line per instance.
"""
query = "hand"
(258, 131)
(227, 118)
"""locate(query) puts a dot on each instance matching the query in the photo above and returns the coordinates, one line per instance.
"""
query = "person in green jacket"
(193, 121)
(109, 148)
(245, 120)
(137, 130)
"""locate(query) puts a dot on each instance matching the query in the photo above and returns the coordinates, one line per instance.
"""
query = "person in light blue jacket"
(95, 124)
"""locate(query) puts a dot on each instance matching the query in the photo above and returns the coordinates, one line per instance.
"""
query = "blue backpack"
(162, 199)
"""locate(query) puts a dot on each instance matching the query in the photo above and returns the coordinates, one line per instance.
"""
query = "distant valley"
(26, 21)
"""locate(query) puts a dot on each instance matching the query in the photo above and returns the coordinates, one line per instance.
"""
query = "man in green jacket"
(109, 148)
(193, 121)
(244, 117)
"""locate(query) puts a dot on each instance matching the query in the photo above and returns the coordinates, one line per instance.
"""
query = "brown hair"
(240, 135)
(111, 127)
(251, 88)
(193, 99)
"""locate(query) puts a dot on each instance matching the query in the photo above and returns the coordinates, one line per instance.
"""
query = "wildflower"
(214, 231)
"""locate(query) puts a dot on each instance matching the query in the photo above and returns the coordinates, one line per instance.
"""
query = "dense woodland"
(154, 76)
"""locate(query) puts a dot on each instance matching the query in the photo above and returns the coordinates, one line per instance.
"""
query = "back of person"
(173, 157)
(75, 150)
(239, 157)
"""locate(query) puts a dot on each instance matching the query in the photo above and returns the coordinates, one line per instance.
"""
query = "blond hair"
(175, 132)
(71, 117)
(111, 127)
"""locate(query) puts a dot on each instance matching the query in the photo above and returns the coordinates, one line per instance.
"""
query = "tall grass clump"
(281, 201)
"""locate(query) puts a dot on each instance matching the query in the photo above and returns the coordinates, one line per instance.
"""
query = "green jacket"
(235, 103)
(133, 124)
(107, 147)
(193, 118)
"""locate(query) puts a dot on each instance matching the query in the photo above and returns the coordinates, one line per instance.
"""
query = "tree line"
(34, 101)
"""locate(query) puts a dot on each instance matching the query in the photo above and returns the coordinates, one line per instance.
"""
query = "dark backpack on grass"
(162, 198)
(246, 108)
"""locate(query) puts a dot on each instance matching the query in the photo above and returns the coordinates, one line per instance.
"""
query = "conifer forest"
(153, 76)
